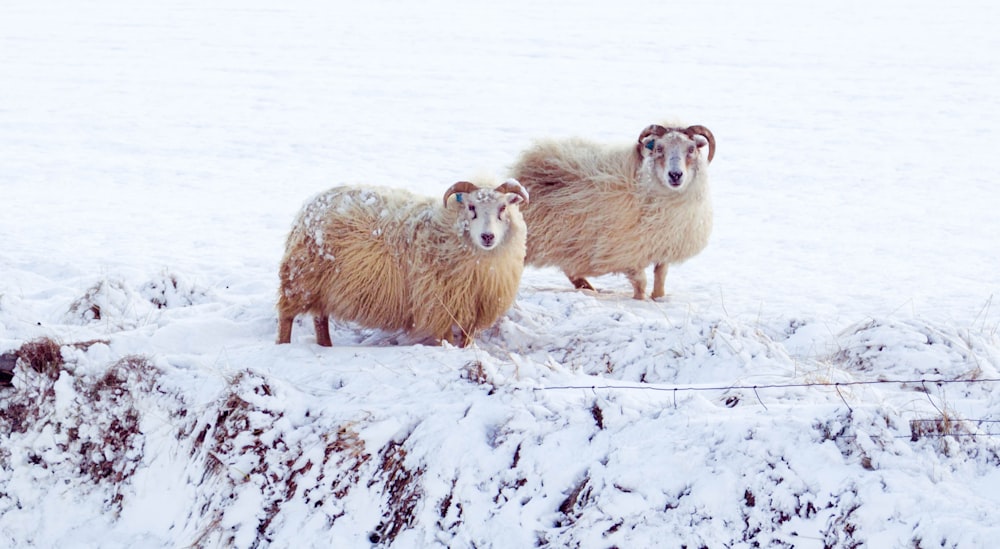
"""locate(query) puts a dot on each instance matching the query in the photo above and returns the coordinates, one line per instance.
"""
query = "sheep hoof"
(582, 284)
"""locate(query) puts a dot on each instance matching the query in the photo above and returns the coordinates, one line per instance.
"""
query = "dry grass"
(98, 438)
(39, 362)
(281, 471)
(44, 356)
(88, 308)
(937, 427)
(114, 454)
(402, 487)
(577, 499)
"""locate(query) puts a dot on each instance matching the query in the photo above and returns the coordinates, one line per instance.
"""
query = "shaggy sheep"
(385, 258)
(597, 209)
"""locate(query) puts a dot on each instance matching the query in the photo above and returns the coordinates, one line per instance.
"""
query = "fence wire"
(943, 426)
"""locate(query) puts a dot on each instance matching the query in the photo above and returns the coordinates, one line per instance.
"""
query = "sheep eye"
(502, 210)
(659, 148)
(472, 209)
(691, 149)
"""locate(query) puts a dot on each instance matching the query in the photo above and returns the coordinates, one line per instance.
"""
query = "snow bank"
(661, 424)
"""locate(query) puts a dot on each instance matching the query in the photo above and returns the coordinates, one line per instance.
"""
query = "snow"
(785, 393)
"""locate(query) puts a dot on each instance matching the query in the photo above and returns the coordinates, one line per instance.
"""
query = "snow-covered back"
(822, 375)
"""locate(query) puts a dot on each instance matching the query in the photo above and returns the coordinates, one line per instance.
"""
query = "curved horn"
(513, 186)
(460, 187)
(652, 129)
(707, 134)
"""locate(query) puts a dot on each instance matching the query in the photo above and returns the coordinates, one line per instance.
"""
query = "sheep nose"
(487, 239)
(675, 177)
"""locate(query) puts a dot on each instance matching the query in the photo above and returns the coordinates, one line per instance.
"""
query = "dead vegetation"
(240, 444)
(400, 490)
(944, 426)
(242, 430)
(109, 440)
(43, 356)
(578, 498)
(116, 303)
(38, 363)
(345, 453)
(97, 433)
(97, 302)
(232, 431)
(170, 290)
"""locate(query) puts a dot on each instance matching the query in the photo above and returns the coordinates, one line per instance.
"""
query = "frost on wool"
(601, 209)
(403, 262)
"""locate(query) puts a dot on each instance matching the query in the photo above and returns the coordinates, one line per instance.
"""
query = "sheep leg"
(659, 279)
(581, 283)
(285, 329)
(638, 279)
(322, 324)
(467, 339)
(448, 336)
(458, 337)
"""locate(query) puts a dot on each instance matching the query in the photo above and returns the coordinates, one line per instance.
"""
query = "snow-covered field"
(822, 375)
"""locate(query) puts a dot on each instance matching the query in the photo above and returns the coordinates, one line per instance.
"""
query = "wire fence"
(826, 384)
(942, 426)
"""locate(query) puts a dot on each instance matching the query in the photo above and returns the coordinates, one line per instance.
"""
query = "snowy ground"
(823, 375)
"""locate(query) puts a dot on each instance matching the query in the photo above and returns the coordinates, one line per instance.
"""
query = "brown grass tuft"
(115, 455)
(474, 372)
(937, 427)
(99, 435)
(401, 486)
(578, 498)
(43, 355)
(39, 362)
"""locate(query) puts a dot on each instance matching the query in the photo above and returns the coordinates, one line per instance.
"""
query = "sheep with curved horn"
(386, 258)
(599, 209)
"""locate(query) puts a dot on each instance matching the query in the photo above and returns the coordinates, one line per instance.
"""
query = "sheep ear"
(516, 193)
(646, 146)
(700, 140)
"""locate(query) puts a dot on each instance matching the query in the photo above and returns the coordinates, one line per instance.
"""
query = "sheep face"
(672, 159)
(485, 215)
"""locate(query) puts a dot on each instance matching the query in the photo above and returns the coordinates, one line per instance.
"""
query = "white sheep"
(600, 209)
(386, 258)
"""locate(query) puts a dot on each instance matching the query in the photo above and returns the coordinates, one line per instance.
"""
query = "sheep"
(600, 209)
(386, 258)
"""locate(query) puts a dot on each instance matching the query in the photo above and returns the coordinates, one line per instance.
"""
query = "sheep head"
(672, 155)
(484, 212)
